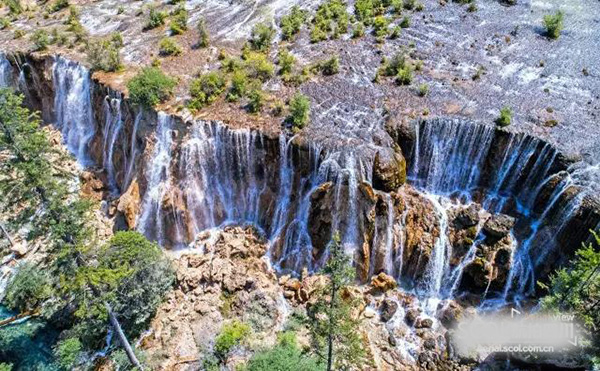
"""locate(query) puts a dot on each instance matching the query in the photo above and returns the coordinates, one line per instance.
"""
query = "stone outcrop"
(129, 204)
(389, 170)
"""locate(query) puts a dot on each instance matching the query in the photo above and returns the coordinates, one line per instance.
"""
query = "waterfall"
(449, 155)
(112, 128)
(132, 151)
(73, 107)
(439, 261)
(158, 174)
(6, 72)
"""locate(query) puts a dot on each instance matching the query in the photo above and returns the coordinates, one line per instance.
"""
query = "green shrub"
(168, 46)
(206, 89)
(255, 101)
(396, 32)
(472, 7)
(239, 83)
(67, 353)
(28, 288)
(299, 110)
(156, 18)
(404, 75)
(330, 66)
(391, 67)
(18, 34)
(120, 9)
(104, 54)
(397, 6)
(330, 20)
(405, 23)
(410, 4)
(363, 10)
(203, 37)
(262, 36)
(150, 87)
(359, 30)
(423, 90)
(59, 5)
(6, 366)
(505, 117)
(258, 66)
(231, 335)
(14, 6)
(286, 62)
(284, 356)
(554, 24)
(380, 26)
(4, 23)
(290, 24)
(419, 7)
(179, 19)
(74, 25)
(40, 39)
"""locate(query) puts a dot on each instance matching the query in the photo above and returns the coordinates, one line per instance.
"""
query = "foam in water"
(73, 107)
(112, 129)
(158, 173)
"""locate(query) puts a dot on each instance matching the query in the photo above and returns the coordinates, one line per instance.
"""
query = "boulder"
(498, 226)
(382, 283)
(389, 170)
(19, 249)
(388, 309)
(467, 217)
(449, 313)
(129, 204)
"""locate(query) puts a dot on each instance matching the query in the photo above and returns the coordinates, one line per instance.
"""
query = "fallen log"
(24, 315)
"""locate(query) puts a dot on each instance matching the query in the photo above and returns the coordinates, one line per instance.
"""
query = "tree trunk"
(29, 313)
(128, 349)
(5, 232)
(330, 334)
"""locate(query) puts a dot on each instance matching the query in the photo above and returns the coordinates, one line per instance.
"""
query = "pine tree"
(334, 323)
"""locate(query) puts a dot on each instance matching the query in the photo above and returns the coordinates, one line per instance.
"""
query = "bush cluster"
(299, 111)
(150, 87)
(231, 334)
(168, 46)
(505, 117)
(290, 24)
(330, 21)
(156, 18)
(262, 37)
(104, 54)
(179, 19)
(206, 89)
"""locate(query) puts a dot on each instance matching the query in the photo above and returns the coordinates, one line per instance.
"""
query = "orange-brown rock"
(129, 204)
(382, 283)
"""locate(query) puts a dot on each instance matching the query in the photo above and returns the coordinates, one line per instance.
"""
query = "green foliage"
(28, 289)
(203, 36)
(330, 66)
(239, 84)
(359, 30)
(290, 24)
(258, 66)
(18, 34)
(150, 87)
(554, 24)
(285, 356)
(156, 18)
(231, 334)
(131, 275)
(404, 75)
(423, 90)
(396, 32)
(394, 65)
(397, 6)
(74, 25)
(330, 21)
(6, 367)
(363, 10)
(505, 117)
(410, 4)
(40, 39)
(14, 6)
(67, 353)
(262, 37)
(206, 89)
(286, 62)
(333, 323)
(179, 19)
(576, 290)
(299, 110)
(4, 23)
(380, 26)
(168, 46)
(405, 23)
(255, 101)
(105, 54)
(59, 5)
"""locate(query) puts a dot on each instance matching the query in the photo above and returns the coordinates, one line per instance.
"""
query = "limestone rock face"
(389, 170)
(93, 185)
(498, 226)
(129, 204)
(320, 218)
(383, 283)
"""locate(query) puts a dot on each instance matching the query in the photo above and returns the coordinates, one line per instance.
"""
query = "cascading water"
(73, 107)
(158, 173)
(132, 151)
(6, 73)
(112, 129)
